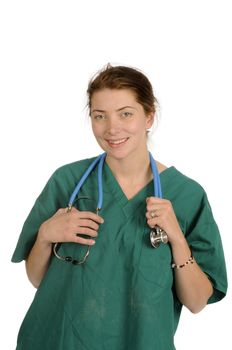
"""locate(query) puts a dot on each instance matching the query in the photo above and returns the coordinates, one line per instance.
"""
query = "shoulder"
(182, 186)
(64, 178)
(74, 168)
(189, 183)
(189, 199)
(180, 178)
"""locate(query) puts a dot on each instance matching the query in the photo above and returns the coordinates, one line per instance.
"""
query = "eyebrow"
(117, 110)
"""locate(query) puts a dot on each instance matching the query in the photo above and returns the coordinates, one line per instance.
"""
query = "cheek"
(138, 128)
(97, 130)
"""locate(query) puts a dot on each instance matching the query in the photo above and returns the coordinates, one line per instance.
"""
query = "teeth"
(117, 142)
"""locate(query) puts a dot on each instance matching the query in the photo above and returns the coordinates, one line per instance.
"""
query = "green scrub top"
(123, 296)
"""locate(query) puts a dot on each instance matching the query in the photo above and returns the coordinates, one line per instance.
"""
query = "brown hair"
(122, 77)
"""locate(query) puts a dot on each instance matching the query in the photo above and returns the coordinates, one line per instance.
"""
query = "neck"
(133, 169)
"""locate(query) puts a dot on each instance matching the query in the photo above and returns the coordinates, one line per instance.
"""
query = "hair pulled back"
(122, 77)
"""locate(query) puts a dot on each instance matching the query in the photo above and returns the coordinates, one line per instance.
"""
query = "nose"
(113, 126)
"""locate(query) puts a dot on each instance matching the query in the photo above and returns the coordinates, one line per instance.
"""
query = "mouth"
(117, 143)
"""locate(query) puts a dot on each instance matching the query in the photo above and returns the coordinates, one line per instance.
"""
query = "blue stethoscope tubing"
(100, 161)
(157, 235)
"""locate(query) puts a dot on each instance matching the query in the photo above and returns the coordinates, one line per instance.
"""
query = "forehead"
(107, 99)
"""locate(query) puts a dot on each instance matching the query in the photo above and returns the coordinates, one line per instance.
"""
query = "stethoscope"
(157, 235)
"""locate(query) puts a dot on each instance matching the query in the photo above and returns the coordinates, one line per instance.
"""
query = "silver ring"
(153, 214)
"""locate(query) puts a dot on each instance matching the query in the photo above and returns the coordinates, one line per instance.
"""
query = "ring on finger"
(153, 214)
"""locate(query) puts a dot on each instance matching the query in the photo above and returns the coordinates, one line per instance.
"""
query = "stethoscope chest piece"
(157, 235)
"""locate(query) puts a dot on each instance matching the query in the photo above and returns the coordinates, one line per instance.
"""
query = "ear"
(150, 120)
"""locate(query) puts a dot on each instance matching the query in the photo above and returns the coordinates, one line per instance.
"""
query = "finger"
(88, 223)
(84, 241)
(86, 231)
(90, 215)
(153, 213)
(156, 206)
(154, 200)
(153, 222)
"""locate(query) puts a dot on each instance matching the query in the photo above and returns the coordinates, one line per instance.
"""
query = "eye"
(126, 114)
(99, 116)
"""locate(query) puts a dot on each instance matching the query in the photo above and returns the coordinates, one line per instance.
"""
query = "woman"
(107, 287)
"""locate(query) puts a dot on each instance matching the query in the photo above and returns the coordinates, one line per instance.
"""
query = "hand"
(64, 226)
(164, 217)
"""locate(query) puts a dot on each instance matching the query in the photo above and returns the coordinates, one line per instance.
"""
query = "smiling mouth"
(117, 143)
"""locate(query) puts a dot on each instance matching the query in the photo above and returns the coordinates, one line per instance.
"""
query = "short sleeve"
(206, 245)
(45, 206)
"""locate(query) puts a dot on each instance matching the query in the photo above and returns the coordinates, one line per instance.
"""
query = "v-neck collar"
(129, 206)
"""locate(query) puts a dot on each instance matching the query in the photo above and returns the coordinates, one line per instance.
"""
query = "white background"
(49, 51)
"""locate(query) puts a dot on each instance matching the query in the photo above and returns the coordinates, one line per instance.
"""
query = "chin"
(118, 155)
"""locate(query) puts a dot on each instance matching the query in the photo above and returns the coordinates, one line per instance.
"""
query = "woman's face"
(119, 122)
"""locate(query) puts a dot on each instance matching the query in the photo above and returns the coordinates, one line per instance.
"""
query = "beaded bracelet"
(189, 261)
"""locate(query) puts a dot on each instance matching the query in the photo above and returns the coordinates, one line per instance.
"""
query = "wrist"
(180, 251)
(179, 240)
(41, 237)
